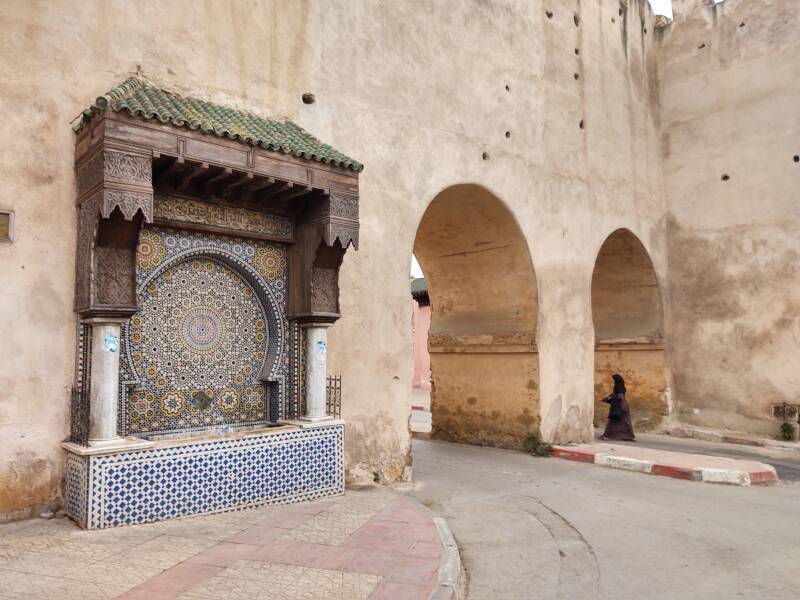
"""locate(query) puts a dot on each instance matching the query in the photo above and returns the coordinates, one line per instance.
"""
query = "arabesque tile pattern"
(367, 544)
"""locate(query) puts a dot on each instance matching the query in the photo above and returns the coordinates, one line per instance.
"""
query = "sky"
(662, 7)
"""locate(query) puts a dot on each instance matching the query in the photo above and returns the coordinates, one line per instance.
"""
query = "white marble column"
(104, 383)
(316, 371)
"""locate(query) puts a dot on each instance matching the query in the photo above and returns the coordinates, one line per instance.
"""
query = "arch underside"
(482, 341)
(628, 321)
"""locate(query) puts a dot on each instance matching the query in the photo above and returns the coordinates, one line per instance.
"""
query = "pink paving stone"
(417, 571)
(257, 535)
(422, 532)
(372, 562)
(383, 528)
(301, 554)
(172, 582)
(425, 550)
(225, 554)
(138, 593)
(389, 590)
(378, 542)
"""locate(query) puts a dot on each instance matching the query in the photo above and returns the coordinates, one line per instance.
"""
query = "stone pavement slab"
(370, 543)
(666, 463)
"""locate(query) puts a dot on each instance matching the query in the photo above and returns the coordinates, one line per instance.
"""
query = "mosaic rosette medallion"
(197, 348)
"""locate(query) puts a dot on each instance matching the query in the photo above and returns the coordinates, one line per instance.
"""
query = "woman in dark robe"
(619, 426)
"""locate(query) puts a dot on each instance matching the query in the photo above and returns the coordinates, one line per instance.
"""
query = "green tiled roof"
(418, 285)
(140, 98)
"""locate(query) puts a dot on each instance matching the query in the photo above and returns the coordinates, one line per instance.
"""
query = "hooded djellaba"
(619, 426)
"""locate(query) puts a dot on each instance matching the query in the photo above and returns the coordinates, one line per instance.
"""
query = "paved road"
(543, 528)
(786, 462)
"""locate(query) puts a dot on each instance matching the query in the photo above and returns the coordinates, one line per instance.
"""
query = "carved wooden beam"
(294, 192)
(269, 193)
(210, 184)
(245, 180)
(191, 176)
(259, 184)
(171, 172)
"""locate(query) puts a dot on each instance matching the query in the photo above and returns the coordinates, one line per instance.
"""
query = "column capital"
(311, 324)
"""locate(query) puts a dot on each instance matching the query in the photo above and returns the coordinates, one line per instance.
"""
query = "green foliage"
(787, 431)
(534, 444)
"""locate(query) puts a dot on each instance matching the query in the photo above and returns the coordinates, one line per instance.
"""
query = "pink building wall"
(422, 360)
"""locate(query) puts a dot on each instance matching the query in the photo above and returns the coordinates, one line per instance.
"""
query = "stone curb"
(711, 435)
(447, 585)
(767, 476)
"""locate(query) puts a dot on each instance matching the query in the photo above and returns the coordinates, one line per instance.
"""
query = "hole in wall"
(645, 30)
(577, 51)
(620, 11)
(549, 14)
(485, 156)
(613, 20)
(576, 19)
(701, 46)
(581, 124)
(742, 24)
(508, 134)
(309, 98)
(726, 177)
(576, 76)
(508, 88)
(796, 158)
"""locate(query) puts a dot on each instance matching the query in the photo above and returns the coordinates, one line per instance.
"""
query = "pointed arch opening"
(482, 291)
(628, 321)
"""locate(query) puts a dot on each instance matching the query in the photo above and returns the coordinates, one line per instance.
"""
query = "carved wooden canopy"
(148, 156)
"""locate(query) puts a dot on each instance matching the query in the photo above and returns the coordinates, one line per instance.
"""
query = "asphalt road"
(550, 529)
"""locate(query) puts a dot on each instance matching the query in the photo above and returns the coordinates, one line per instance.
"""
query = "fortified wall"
(538, 126)
(728, 94)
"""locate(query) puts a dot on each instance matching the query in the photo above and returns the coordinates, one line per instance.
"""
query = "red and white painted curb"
(737, 473)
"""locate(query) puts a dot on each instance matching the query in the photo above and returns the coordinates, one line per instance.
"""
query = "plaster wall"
(422, 358)
(729, 87)
(428, 95)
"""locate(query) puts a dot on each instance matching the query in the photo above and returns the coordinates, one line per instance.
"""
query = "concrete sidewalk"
(368, 544)
(680, 465)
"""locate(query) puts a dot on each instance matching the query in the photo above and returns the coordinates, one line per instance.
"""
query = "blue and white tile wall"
(206, 476)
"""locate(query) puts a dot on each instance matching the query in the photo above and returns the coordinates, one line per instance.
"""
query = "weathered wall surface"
(731, 123)
(418, 91)
(482, 338)
(643, 367)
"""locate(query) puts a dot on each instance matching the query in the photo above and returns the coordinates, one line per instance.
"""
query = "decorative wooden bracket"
(115, 195)
(120, 159)
(326, 229)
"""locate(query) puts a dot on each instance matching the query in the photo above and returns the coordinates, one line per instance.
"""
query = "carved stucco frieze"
(88, 217)
(115, 268)
(128, 167)
(128, 203)
(109, 166)
(172, 208)
(324, 290)
(344, 232)
(344, 206)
